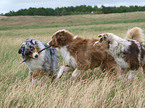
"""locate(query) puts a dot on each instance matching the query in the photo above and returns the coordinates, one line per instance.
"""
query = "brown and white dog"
(129, 54)
(79, 54)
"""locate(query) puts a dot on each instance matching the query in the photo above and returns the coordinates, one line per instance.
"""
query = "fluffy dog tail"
(135, 33)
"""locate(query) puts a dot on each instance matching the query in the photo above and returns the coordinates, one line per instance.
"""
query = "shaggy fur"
(79, 54)
(39, 64)
(129, 54)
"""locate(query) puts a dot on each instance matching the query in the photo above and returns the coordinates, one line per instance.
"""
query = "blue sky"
(9, 5)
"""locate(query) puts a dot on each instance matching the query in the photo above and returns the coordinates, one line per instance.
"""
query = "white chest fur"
(121, 62)
(68, 59)
(36, 63)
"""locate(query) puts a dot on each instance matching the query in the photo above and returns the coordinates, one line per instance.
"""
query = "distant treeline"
(83, 9)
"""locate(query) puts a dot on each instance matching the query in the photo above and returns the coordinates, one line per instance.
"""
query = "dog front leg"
(30, 75)
(63, 69)
(122, 74)
(133, 74)
(75, 72)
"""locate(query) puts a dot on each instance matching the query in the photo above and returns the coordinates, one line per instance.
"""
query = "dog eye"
(32, 48)
(101, 39)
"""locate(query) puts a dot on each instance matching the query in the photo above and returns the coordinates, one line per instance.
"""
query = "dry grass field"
(91, 89)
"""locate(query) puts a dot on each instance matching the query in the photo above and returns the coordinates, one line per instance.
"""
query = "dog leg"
(75, 72)
(122, 74)
(61, 70)
(133, 74)
(30, 75)
(34, 81)
(144, 69)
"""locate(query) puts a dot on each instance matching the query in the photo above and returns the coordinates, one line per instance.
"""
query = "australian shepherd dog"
(129, 54)
(39, 64)
(79, 54)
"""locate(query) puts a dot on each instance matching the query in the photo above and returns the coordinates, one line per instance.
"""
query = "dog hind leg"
(122, 73)
(30, 75)
(133, 74)
(144, 69)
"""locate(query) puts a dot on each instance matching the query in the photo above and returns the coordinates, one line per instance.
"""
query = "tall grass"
(88, 90)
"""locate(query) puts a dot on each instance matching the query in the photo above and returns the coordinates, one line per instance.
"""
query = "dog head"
(104, 41)
(61, 38)
(29, 49)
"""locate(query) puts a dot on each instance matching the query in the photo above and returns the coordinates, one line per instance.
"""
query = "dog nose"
(36, 56)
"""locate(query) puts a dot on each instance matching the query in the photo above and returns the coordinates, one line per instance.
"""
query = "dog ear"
(60, 34)
(33, 42)
(20, 51)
